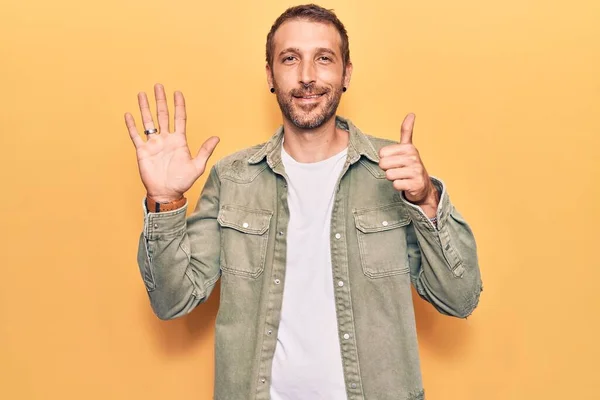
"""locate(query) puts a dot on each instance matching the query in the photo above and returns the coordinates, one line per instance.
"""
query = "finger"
(162, 108)
(399, 173)
(133, 132)
(145, 110)
(180, 114)
(395, 150)
(406, 130)
(205, 152)
(402, 184)
(397, 161)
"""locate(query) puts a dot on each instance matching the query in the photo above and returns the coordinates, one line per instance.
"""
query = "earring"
(344, 89)
(272, 90)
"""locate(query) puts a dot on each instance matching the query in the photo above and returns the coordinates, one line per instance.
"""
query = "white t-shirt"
(307, 363)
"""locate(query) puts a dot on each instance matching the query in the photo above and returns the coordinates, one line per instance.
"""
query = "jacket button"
(337, 236)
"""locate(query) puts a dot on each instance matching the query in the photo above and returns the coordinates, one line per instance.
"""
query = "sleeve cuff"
(443, 209)
(164, 224)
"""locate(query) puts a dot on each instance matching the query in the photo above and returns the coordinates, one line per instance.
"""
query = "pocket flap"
(243, 219)
(382, 218)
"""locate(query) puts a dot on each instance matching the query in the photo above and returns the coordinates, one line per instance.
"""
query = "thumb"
(205, 152)
(406, 131)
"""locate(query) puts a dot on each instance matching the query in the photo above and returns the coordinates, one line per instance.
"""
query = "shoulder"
(236, 167)
(363, 141)
(378, 142)
(240, 155)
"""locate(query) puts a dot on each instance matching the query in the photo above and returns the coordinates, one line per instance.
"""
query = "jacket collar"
(358, 145)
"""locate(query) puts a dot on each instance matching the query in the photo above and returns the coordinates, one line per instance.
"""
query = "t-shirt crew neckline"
(313, 165)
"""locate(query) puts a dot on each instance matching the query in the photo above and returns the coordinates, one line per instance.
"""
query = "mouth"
(309, 97)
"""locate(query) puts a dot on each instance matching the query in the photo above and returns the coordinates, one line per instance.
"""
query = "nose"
(307, 73)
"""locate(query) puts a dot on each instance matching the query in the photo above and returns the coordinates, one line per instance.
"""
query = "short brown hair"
(313, 13)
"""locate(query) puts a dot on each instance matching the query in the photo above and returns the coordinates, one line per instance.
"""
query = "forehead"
(306, 35)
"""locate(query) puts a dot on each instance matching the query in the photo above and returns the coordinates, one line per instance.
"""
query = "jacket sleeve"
(179, 257)
(443, 261)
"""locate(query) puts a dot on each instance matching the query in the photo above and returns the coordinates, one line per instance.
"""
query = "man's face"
(308, 72)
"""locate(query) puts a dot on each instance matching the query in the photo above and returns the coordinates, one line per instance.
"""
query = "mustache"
(308, 91)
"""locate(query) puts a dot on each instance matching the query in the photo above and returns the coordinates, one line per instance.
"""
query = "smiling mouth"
(311, 96)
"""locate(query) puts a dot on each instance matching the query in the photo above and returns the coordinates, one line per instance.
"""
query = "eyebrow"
(297, 50)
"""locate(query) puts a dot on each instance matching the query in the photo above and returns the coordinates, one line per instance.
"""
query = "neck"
(314, 145)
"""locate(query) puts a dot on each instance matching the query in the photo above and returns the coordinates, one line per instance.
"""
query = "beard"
(312, 115)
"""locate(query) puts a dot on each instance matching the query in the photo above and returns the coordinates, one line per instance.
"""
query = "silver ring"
(150, 131)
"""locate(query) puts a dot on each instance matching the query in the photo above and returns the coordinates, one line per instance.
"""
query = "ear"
(348, 74)
(269, 72)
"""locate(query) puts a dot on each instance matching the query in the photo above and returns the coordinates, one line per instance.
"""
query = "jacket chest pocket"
(244, 238)
(382, 240)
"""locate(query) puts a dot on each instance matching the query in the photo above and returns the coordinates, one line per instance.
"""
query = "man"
(316, 236)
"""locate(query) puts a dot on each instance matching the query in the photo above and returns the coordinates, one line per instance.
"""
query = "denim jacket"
(380, 245)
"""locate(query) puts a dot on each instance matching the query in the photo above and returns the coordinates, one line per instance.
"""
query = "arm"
(179, 258)
(443, 261)
(442, 256)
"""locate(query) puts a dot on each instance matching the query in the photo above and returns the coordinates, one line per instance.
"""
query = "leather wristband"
(153, 206)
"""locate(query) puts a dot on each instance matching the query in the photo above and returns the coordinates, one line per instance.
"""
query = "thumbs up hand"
(402, 165)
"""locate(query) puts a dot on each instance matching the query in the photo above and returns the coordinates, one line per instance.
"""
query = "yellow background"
(507, 98)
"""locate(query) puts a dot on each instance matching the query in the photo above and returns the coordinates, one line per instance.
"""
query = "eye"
(324, 58)
(289, 59)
